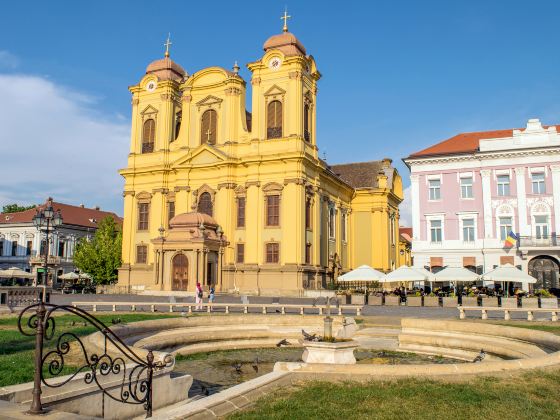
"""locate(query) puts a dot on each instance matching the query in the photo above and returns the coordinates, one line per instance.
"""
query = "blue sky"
(398, 76)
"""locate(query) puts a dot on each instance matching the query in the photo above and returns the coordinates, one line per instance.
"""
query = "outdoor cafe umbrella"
(404, 273)
(69, 276)
(457, 275)
(362, 273)
(16, 273)
(508, 273)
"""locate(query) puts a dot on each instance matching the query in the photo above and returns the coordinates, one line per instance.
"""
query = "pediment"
(202, 156)
(275, 90)
(209, 101)
(149, 110)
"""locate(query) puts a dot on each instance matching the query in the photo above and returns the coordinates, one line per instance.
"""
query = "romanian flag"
(511, 240)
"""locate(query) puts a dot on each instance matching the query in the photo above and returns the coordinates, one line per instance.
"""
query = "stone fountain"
(329, 349)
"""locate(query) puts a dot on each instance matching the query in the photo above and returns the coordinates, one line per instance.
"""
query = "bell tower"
(284, 84)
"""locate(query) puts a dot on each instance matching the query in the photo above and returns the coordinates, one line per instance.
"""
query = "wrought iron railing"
(112, 362)
(533, 241)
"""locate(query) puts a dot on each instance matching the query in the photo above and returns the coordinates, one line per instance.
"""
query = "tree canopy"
(15, 207)
(100, 257)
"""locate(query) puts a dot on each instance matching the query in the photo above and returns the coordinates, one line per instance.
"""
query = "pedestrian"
(211, 297)
(198, 297)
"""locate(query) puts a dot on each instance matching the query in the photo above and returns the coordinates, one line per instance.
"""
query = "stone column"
(487, 203)
(415, 205)
(523, 227)
(555, 169)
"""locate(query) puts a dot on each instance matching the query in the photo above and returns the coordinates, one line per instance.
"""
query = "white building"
(22, 246)
(470, 191)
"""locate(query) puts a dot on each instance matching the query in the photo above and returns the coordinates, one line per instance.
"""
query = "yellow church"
(241, 200)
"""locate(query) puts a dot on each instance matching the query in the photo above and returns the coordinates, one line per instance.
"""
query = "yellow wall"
(245, 163)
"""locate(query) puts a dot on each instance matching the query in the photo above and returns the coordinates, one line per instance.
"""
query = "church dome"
(192, 219)
(166, 69)
(285, 42)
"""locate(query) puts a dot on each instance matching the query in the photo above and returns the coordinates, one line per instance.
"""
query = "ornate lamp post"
(44, 220)
(161, 231)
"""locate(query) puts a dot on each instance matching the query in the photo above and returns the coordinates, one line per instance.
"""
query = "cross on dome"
(285, 19)
(167, 44)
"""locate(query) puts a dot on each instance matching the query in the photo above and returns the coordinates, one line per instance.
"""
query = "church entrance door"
(180, 270)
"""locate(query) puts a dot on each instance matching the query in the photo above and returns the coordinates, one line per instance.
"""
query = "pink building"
(470, 191)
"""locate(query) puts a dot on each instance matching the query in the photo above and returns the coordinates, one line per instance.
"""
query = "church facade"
(241, 201)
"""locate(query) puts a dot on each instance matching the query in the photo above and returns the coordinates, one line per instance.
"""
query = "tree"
(15, 207)
(100, 257)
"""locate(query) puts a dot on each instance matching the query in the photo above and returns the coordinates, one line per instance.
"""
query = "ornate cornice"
(132, 193)
(297, 181)
(252, 184)
(227, 185)
(160, 190)
(184, 188)
(232, 91)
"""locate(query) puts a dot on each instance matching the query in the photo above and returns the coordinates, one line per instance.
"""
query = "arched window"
(148, 136)
(306, 117)
(208, 127)
(178, 118)
(274, 120)
(205, 204)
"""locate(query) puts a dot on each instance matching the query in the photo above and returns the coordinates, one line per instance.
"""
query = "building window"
(503, 186)
(274, 120)
(505, 227)
(466, 187)
(435, 231)
(307, 253)
(178, 118)
(143, 216)
(273, 253)
(170, 210)
(435, 189)
(541, 227)
(141, 254)
(343, 226)
(43, 248)
(240, 212)
(306, 118)
(205, 204)
(208, 127)
(537, 181)
(308, 213)
(28, 248)
(468, 230)
(14, 248)
(61, 246)
(273, 210)
(332, 222)
(148, 136)
(240, 253)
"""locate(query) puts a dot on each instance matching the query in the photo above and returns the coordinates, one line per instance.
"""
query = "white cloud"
(405, 209)
(54, 143)
(8, 60)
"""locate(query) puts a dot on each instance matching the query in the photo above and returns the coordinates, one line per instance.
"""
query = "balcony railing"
(533, 241)
(52, 260)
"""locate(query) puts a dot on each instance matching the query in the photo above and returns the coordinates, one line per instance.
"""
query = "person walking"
(211, 297)
(199, 295)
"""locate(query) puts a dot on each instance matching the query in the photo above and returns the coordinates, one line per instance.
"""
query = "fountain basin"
(341, 353)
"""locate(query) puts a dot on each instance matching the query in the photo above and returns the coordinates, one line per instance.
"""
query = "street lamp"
(46, 220)
(161, 231)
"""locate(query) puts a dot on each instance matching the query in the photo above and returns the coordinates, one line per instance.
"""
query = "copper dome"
(192, 219)
(166, 69)
(285, 42)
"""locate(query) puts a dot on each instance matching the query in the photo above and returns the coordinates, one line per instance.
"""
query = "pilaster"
(415, 205)
(524, 227)
(555, 169)
(487, 203)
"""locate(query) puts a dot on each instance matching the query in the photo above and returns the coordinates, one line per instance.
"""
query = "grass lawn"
(532, 395)
(17, 351)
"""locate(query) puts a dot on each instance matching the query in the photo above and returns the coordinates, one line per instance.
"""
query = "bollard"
(264, 309)
(245, 310)
(227, 309)
(484, 314)
(340, 310)
(152, 308)
(170, 308)
(301, 310)
(529, 315)
(114, 308)
(358, 311)
(283, 310)
(94, 308)
(554, 316)
(133, 308)
(190, 309)
(507, 315)
(462, 314)
(320, 310)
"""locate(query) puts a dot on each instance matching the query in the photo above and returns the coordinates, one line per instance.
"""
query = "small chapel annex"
(241, 200)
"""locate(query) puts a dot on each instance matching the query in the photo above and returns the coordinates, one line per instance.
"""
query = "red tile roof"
(71, 215)
(406, 230)
(464, 143)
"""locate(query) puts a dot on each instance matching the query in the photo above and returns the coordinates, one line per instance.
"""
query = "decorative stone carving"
(252, 184)
(184, 188)
(255, 81)
(227, 185)
(128, 192)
